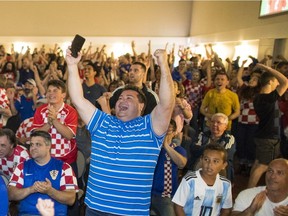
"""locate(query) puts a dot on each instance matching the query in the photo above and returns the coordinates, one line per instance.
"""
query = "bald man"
(271, 199)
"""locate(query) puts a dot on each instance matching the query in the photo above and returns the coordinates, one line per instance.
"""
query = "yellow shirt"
(226, 103)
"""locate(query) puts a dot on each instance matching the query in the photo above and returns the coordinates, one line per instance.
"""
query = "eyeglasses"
(217, 122)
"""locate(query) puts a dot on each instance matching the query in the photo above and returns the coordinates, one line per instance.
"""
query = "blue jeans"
(162, 206)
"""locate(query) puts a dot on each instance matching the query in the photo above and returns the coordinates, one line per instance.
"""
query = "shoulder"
(151, 94)
(224, 179)
(19, 149)
(117, 90)
(181, 150)
(228, 138)
(245, 197)
(42, 107)
(69, 108)
(102, 88)
(210, 93)
(190, 176)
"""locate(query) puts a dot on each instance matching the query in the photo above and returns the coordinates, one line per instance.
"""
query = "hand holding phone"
(76, 45)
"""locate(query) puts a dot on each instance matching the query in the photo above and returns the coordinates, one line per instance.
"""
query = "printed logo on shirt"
(219, 198)
(53, 174)
(197, 198)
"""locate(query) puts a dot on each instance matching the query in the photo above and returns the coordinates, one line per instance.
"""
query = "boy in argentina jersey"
(204, 192)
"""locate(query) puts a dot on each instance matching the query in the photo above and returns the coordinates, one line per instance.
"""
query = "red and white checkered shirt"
(68, 180)
(24, 129)
(61, 148)
(247, 113)
(8, 164)
(168, 174)
(4, 104)
(194, 92)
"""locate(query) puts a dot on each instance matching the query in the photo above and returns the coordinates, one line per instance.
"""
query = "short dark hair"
(265, 78)
(92, 65)
(58, 84)
(45, 135)
(10, 135)
(216, 147)
(221, 72)
(143, 66)
(181, 60)
(281, 64)
(174, 125)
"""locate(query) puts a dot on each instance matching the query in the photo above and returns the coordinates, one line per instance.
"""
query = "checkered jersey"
(68, 180)
(24, 129)
(4, 103)
(168, 174)
(61, 148)
(8, 164)
(247, 113)
(194, 92)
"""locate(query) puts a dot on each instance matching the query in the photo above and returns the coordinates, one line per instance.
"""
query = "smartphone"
(76, 45)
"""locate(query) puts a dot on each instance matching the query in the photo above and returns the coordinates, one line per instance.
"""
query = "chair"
(5, 179)
(81, 166)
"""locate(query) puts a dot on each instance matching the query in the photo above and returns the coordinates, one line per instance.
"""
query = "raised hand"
(70, 59)
(161, 56)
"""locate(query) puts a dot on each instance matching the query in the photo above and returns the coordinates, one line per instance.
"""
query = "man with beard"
(25, 106)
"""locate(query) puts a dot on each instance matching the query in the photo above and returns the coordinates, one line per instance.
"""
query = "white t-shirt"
(245, 198)
(197, 198)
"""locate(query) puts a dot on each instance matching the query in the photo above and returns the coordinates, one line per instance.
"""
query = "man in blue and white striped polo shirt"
(125, 147)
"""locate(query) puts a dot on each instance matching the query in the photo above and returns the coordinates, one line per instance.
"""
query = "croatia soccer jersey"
(8, 164)
(59, 173)
(24, 129)
(61, 148)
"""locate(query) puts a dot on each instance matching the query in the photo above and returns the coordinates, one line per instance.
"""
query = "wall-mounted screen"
(272, 7)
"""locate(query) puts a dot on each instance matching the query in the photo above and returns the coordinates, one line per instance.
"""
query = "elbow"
(69, 136)
(183, 163)
(71, 199)
(11, 194)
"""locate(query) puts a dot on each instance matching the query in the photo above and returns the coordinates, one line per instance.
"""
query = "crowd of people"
(143, 124)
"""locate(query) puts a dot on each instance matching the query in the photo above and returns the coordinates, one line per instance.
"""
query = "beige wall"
(233, 21)
(96, 18)
(185, 23)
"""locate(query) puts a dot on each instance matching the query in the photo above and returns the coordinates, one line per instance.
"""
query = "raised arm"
(162, 112)
(240, 74)
(133, 49)
(83, 106)
(38, 81)
(176, 157)
(283, 82)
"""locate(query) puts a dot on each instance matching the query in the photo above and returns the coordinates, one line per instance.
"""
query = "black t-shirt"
(264, 105)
